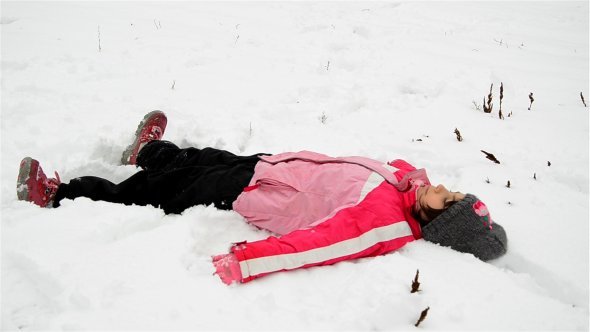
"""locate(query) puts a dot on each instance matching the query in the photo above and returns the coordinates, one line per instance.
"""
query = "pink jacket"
(326, 210)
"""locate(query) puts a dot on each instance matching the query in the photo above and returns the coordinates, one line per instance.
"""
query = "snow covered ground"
(384, 80)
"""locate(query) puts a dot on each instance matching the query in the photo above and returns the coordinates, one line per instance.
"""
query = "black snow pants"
(171, 178)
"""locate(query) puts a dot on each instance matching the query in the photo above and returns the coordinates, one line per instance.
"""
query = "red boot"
(32, 185)
(150, 128)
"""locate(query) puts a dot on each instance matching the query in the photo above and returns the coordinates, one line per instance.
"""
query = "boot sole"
(24, 175)
(129, 150)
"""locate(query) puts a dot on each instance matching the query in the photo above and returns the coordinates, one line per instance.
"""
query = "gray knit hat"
(467, 227)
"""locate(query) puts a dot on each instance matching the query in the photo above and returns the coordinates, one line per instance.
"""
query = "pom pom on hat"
(466, 226)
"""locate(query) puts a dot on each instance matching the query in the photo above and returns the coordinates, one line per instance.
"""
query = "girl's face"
(437, 198)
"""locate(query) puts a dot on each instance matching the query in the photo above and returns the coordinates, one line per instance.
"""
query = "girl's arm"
(352, 233)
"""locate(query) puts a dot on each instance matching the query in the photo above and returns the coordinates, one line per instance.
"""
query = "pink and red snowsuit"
(326, 210)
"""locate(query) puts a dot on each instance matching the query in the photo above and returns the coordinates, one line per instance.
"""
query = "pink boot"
(33, 186)
(150, 128)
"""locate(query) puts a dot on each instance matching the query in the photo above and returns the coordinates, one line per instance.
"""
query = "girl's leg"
(217, 185)
(164, 155)
(173, 190)
(131, 191)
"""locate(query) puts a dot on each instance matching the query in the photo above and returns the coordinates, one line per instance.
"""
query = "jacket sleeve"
(351, 233)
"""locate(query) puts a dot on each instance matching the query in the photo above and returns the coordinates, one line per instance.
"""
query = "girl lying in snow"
(324, 209)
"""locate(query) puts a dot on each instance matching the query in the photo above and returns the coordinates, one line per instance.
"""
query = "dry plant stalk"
(583, 101)
(475, 105)
(415, 283)
(531, 99)
(323, 118)
(422, 316)
(501, 94)
(501, 97)
(458, 133)
(488, 108)
(99, 48)
(490, 157)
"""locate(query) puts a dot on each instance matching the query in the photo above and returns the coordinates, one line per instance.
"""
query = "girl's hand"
(227, 268)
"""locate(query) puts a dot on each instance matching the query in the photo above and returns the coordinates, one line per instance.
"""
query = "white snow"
(346, 78)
